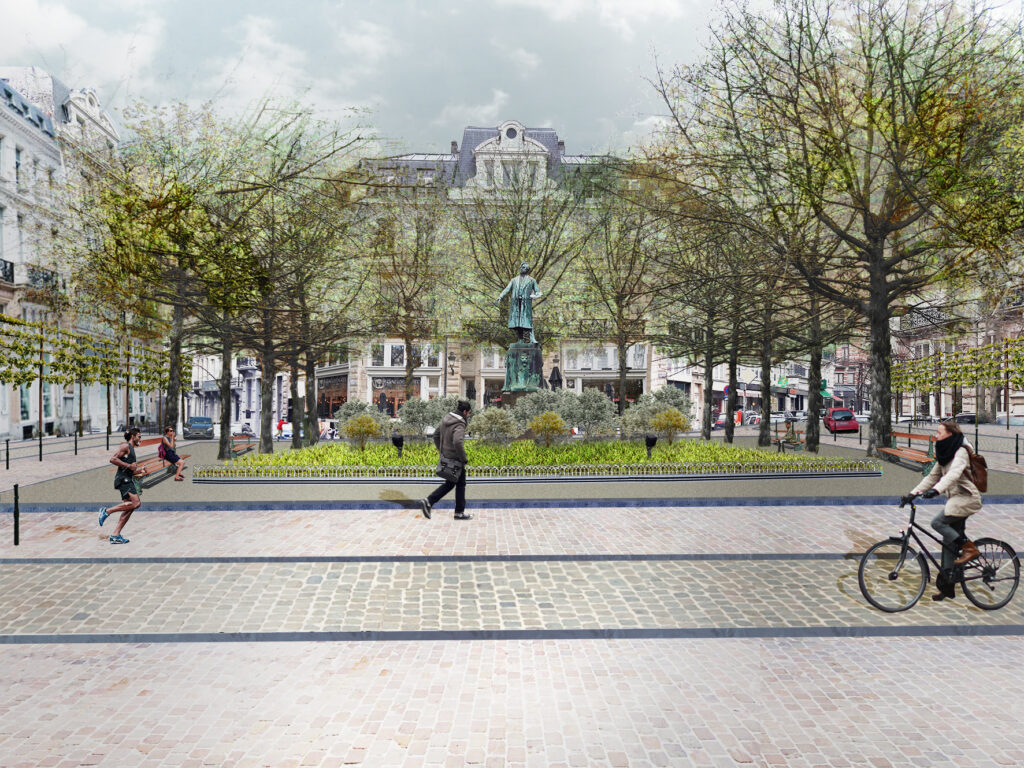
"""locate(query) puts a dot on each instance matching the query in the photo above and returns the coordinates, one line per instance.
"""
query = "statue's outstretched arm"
(507, 289)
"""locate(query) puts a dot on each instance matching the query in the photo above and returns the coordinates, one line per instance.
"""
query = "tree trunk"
(622, 374)
(764, 438)
(812, 432)
(174, 386)
(409, 380)
(266, 401)
(226, 352)
(880, 434)
(705, 423)
(730, 401)
(312, 421)
(296, 413)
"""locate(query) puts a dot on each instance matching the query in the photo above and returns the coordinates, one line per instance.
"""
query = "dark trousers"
(460, 492)
(952, 531)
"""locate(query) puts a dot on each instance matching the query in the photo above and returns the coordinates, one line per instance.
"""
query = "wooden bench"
(914, 457)
(242, 444)
(780, 443)
(153, 469)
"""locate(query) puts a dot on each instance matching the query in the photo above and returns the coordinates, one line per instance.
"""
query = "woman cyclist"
(952, 476)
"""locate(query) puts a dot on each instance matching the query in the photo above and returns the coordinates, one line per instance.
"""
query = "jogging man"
(124, 481)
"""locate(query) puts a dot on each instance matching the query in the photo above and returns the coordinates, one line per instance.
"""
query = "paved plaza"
(575, 636)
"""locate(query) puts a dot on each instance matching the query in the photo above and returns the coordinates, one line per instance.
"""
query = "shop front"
(332, 394)
(388, 393)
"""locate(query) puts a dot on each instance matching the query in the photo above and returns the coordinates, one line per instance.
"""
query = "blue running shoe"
(103, 516)
(119, 539)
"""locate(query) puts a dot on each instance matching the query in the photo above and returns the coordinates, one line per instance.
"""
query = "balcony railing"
(247, 363)
(6, 271)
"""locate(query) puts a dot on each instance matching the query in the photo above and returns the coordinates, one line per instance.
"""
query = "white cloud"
(474, 114)
(620, 15)
(51, 35)
(524, 61)
(368, 41)
(267, 67)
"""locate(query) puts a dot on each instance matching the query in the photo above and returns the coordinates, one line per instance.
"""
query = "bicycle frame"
(911, 533)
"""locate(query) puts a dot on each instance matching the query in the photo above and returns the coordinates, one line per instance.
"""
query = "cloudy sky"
(421, 69)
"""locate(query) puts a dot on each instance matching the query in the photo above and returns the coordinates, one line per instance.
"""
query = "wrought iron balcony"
(247, 364)
(6, 271)
(43, 279)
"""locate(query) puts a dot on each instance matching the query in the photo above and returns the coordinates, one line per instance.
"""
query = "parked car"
(197, 427)
(753, 418)
(777, 417)
(965, 418)
(719, 422)
(244, 428)
(798, 415)
(862, 418)
(840, 420)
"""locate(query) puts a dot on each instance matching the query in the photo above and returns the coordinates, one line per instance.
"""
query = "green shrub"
(494, 425)
(354, 408)
(595, 413)
(673, 397)
(548, 427)
(359, 429)
(669, 423)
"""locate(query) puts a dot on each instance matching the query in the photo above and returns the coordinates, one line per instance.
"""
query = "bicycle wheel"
(990, 581)
(889, 580)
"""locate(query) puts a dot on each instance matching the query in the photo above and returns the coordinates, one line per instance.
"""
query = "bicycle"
(893, 575)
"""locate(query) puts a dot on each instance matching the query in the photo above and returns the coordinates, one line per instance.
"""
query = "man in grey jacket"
(449, 441)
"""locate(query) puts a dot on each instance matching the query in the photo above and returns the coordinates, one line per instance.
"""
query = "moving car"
(840, 420)
(198, 427)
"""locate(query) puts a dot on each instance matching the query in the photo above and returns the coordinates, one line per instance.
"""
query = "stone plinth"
(523, 368)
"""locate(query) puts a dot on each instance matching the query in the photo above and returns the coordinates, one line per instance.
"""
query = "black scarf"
(946, 449)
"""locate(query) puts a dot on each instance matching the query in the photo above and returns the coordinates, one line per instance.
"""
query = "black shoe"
(425, 506)
(463, 516)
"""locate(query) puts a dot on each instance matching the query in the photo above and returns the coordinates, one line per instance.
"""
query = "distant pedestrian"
(125, 482)
(168, 454)
(449, 441)
(280, 428)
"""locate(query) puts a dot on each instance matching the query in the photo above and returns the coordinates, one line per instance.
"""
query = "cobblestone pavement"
(780, 700)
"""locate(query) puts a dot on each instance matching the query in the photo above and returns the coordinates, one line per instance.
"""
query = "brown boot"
(968, 553)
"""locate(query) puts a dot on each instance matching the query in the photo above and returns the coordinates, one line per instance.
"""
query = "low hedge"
(524, 458)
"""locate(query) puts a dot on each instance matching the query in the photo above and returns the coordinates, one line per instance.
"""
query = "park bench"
(781, 443)
(908, 455)
(153, 469)
(242, 444)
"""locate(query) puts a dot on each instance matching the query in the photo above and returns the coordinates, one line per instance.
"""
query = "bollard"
(108, 439)
(40, 446)
(76, 442)
(16, 537)
(860, 439)
(975, 433)
(8, 454)
(1016, 449)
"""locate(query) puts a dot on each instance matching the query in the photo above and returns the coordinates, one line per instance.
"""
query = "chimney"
(561, 147)
(455, 148)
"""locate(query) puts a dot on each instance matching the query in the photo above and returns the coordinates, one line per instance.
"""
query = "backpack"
(162, 450)
(979, 470)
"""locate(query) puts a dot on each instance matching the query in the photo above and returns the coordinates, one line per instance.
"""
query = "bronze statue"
(522, 291)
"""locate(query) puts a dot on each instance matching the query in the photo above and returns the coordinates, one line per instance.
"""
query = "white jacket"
(962, 496)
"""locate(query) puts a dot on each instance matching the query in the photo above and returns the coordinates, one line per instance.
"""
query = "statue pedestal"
(523, 368)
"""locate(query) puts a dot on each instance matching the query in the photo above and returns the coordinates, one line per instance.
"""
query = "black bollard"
(40, 446)
(650, 441)
(1016, 449)
(16, 511)
(8, 454)
(398, 441)
(860, 440)
(108, 439)
(76, 442)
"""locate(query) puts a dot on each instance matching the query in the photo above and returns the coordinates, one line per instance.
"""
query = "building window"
(21, 238)
(397, 354)
(377, 354)
(17, 166)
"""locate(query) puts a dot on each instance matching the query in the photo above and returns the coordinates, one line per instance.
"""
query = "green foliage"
(673, 397)
(534, 404)
(669, 423)
(595, 413)
(548, 427)
(638, 418)
(526, 453)
(352, 408)
(360, 429)
(494, 425)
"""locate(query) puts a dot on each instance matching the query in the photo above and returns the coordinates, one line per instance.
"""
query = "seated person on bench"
(167, 453)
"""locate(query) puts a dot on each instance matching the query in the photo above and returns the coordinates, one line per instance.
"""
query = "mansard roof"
(458, 167)
(13, 100)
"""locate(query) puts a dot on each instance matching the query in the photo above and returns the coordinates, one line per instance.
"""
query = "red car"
(840, 420)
